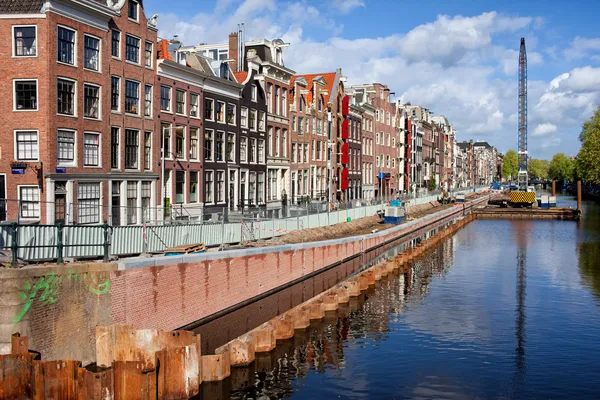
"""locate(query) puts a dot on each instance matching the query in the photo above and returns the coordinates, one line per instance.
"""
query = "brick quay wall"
(58, 307)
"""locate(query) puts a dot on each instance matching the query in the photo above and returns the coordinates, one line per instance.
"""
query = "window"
(284, 102)
(194, 105)
(252, 188)
(148, 54)
(88, 203)
(146, 196)
(180, 142)
(131, 148)
(25, 41)
(300, 103)
(277, 105)
(147, 100)
(132, 194)
(243, 149)
(306, 151)
(208, 186)
(132, 10)
(180, 101)
(220, 111)
(91, 149)
(387, 161)
(166, 141)
(30, 202)
(66, 45)
(269, 97)
(115, 84)
(378, 162)
(208, 145)
(261, 121)
(253, 93)
(244, 117)
(27, 145)
(261, 151)
(294, 154)
(220, 186)
(284, 140)
(388, 139)
(114, 147)
(193, 186)
(314, 150)
(179, 186)
(377, 137)
(91, 101)
(209, 106)
(66, 97)
(270, 142)
(116, 44)
(320, 103)
(277, 142)
(25, 95)
(230, 147)
(260, 188)
(387, 118)
(132, 96)
(252, 155)
(132, 49)
(165, 98)
(66, 147)
(147, 149)
(293, 122)
(219, 144)
(272, 195)
(231, 114)
(393, 142)
(193, 143)
(300, 126)
(252, 125)
(91, 53)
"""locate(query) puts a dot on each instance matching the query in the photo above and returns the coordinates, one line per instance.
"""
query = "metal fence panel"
(83, 241)
(127, 240)
(37, 236)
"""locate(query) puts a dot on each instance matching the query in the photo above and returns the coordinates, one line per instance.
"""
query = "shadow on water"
(588, 246)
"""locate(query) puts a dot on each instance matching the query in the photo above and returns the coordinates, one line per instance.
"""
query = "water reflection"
(588, 247)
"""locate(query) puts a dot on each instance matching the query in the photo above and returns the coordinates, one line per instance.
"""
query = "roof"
(482, 144)
(241, 76)
(463, 145)
(329, 78)
(163, 52)
(21, 6)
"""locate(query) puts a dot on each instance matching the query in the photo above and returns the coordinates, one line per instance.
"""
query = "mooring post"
(579, 195)
(59, 243)
(106, 244)
(553, 187)
(14, 246)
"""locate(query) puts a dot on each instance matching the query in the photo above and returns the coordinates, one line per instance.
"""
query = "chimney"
(233, 51)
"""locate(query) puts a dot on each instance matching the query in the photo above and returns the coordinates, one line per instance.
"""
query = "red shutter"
(345, 106)
(345, 129)
(345, 153)
(344, 183)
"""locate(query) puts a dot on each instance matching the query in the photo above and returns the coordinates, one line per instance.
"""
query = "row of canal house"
(104, 122)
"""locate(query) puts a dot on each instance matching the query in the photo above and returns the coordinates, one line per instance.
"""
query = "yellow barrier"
(522, 197)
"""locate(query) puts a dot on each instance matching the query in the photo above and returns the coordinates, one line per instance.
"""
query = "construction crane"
(523, 178)
(524, 197)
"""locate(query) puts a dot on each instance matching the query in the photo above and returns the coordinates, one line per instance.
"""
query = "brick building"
(308, 128)
(77, 121)
(355, 152)
(361, 107)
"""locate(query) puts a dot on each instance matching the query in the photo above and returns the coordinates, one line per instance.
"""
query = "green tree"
(537, 169)
(432, 184)
(588, 160)
(510, 166)
(561, 168)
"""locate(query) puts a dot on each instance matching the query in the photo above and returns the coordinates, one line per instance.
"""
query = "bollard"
(14, 246)
(59, 243)
(553, 187)
(106, 244)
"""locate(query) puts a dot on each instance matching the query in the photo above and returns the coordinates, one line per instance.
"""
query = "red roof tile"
(241, 76)
(329, 78)
(163, 51)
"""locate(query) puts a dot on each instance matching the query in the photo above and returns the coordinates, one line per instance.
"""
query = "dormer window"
(133, 10)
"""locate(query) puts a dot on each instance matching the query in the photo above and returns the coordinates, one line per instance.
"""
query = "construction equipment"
(524, 197)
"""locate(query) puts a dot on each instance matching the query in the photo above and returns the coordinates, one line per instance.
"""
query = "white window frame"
(204, 109)
(184, 102)
(212, 200)
(244, 139)
(99, 101)
(234, 123)
(151, 66)
(261, 160)
(19, 187)
(75, 96)
(137, 12)
(139, 112)
(66, 163)
(255, 112)
(254, 93)
(227, 144)
(151, 100)
(224, 108)
(37, 94)
(13, 43)
(99, 70)
(224, 172)
(120, 42)
(197, 105)
(139, 61)
(99, 165)
(16, 150)
(212, 145)
(118, 110)
(170, 110)
(75, 46)
(199, 147)
(245, 126)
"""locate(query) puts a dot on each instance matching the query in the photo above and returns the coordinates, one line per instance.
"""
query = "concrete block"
(284, 327)
(264, 338)
(330, 302)
(364, 282)
(216, 368)
(241, 350)
(301, 317)
(342, 296)
(316, 309)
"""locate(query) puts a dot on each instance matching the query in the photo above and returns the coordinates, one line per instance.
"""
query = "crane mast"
(522, 145)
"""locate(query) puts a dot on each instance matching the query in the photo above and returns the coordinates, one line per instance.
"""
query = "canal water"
(501, 310)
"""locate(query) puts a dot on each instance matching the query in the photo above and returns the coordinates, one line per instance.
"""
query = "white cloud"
(583, 47)
(544, 129)
(345, 6)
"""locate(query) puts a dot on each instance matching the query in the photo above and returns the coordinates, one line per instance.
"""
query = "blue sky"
(456, 57)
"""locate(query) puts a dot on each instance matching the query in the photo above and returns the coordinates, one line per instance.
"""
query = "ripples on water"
(504, 310)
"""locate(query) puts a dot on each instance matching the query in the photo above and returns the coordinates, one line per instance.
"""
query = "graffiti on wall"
(46, 288)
